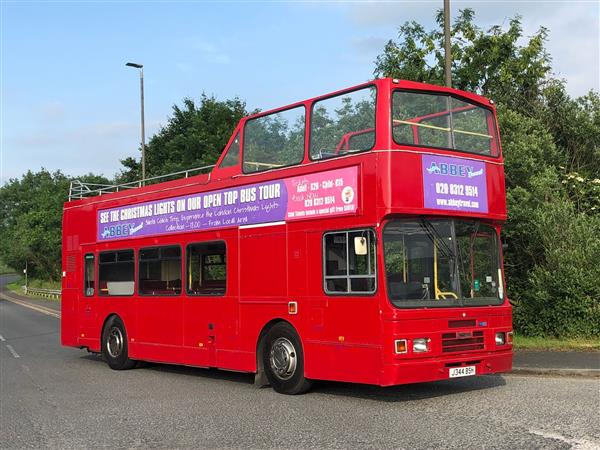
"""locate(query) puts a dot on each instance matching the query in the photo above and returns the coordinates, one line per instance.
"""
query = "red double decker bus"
(350, 237)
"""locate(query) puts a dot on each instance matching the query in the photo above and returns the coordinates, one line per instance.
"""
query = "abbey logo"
(453, 170)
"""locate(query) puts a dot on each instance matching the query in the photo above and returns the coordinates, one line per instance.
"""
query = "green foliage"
(552, 164)
(30, 222)
(562, 298)
(575, 127)
(31, 219)
(194, 136)
(527, 146)
(490, 62)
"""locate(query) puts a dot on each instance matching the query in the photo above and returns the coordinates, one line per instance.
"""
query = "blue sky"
(69, 102)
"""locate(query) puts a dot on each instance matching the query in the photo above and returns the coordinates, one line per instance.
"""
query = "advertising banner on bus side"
(323, 194)
(457, 184)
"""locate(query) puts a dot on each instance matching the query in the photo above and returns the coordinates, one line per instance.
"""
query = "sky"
(69, 102)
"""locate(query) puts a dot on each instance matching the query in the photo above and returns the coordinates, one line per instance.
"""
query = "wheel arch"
(260, 379)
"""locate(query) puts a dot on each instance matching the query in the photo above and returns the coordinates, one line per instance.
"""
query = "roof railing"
(79, 189)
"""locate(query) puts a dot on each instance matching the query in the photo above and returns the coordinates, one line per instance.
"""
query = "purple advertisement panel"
(454, 184)
(329, 193)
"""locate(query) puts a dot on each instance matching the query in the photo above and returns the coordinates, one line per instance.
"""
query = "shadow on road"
(409, 392)
(214, 374)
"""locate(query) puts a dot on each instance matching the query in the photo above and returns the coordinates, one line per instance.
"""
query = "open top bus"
(350, 237)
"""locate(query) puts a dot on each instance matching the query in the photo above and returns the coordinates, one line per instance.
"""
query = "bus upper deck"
(450, 137)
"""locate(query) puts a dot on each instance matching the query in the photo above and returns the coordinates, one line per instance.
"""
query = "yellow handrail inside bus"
(258, 164)
(439, 295)
(434, 127)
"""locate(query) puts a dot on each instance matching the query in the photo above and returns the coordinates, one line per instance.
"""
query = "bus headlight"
(421, 345)
(500, 338)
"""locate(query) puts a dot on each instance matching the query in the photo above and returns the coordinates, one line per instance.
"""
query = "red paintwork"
(346, 338)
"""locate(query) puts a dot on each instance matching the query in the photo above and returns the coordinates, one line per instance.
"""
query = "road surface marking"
(2, 338)
(577, 444)
(12, 350)
(38, 308)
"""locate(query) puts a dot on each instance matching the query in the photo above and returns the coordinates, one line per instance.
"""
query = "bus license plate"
(462, 371)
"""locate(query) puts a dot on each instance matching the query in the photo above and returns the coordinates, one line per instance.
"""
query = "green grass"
(5, 269)
(17, 286)
(554, 344)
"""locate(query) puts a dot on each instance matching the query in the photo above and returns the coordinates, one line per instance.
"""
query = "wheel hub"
(283, 358)
(114, 344)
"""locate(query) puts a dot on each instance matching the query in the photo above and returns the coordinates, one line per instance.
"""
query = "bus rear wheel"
(114, 345)
(283, 360)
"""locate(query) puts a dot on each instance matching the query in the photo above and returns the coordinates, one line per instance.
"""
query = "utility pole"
(141, 67)
(447, 49)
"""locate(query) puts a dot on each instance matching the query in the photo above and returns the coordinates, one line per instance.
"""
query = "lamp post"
(447, 47)
(141, 67)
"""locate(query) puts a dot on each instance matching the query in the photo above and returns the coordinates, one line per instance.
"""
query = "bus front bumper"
(420, 370)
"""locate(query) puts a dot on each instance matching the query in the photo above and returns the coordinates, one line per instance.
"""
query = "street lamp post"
(447, 45)
(141, 67)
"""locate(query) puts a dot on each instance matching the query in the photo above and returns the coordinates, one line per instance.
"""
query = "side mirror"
(360, 245)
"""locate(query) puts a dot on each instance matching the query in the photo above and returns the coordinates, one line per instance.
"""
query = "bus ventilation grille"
(462, 341)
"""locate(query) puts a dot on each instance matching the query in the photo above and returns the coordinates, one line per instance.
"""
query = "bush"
(562, 295)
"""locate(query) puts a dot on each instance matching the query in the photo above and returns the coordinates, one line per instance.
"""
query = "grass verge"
(4, 269)
(555, 344)
(17, 286)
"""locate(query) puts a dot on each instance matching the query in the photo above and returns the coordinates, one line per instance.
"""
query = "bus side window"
(89, 275)
(116, 273)
(159, 271)
(206, 268)
(347, 268)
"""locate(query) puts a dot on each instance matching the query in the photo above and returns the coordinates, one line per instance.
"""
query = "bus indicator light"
(401, 346)
(292, 308)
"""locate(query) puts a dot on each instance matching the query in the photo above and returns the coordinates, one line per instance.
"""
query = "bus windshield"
(442, 262)
(442, 121)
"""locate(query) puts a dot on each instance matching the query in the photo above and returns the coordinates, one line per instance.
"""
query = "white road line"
(2, 338)
(12, 350)
(38, 308)
(576, 444)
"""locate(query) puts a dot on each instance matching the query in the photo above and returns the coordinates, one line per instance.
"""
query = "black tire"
(114, 345)
(283, 360)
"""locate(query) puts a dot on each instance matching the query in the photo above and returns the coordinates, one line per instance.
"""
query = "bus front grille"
(462, 341)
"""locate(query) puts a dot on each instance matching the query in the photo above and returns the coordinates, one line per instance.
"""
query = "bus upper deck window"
(443, 121)
(343, 124)
(275, 140)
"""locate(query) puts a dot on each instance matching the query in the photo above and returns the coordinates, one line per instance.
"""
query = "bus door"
(160, 303)
(87, 312)
(205, 303)
(345, 321)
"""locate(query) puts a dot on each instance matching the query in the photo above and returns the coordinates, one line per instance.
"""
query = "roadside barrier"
(47, 293)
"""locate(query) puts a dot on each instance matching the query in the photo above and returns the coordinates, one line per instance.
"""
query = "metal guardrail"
(48, 293)
(79, 189)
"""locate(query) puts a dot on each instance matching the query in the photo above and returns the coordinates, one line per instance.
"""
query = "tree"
(30, 221)
(552, 162)
(491, 63)
(194, 136)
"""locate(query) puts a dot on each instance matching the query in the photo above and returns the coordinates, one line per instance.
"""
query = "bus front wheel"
(283, 360)
(114, 345)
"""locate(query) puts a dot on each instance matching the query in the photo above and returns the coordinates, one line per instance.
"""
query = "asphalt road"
(55, 397)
